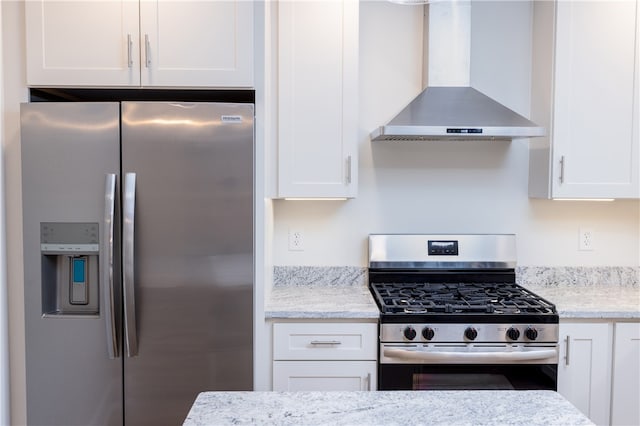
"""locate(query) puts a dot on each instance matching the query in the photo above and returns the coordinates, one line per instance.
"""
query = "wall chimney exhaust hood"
(449, 108)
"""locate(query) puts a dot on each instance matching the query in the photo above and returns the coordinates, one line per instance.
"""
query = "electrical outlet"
(586, 239)
(296, 240)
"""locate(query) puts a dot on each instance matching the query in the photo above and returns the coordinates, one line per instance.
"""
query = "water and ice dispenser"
(69, 268)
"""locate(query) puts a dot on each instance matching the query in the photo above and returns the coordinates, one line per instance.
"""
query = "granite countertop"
(322, 302)
(343, 293)
(385, 408)
(587, 293)
(321, 293)
(592, 302)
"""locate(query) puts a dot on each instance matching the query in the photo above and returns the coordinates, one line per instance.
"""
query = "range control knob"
(531, 333)
(471, 333)
(409, 333)
(428, 333)
(513, 333)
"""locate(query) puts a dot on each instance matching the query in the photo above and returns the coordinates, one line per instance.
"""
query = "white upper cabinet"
(82, 43)
(585, 92)
(197, 43)
(317, 98)
(203, 43)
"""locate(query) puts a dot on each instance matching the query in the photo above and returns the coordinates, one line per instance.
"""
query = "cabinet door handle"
(567, 341)
(147, 51)
(562, 169)
(129, 53)
(368, 379)
(325, 342)
(348, 170)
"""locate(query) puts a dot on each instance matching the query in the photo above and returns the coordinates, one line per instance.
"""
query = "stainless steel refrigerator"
(138, 254)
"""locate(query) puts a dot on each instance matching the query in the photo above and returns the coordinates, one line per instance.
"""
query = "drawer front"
(322, 341)
(303, 376)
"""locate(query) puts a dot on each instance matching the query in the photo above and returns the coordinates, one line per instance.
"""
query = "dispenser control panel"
(69, 237)
(70, 254)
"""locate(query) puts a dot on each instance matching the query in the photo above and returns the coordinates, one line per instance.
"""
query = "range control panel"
(467, 333)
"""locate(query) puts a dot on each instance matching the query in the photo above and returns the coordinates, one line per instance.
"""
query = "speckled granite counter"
(586, 292)
(592, 302)
(384, 408)
(322, 293)
(316, 301)
(342, 292)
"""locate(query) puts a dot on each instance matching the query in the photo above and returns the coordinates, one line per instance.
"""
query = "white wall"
(450, 187)
(4, 338)
(14, 92)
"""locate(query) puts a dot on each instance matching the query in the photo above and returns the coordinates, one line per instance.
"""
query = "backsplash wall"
(450, 187)
(582, 276)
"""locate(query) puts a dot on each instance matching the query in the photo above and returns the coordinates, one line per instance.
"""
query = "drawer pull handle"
(325, 342)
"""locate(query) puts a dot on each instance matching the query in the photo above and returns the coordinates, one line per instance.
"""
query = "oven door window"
(467, 377)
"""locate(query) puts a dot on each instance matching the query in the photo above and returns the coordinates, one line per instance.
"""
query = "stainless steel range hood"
(449, 108)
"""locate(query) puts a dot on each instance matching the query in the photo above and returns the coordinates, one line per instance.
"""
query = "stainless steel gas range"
(453, 317)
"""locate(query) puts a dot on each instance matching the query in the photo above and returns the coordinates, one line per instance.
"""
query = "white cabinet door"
(195, 43)
(317, 98)
(584, 369)
(200, 43)
(585, 91)
(324, 375)
(82, 43)
(625, 401)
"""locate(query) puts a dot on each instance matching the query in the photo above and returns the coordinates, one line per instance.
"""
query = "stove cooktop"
(458, 298)
(483, 302)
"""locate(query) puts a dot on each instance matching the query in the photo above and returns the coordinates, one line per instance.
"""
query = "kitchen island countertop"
(384, 408)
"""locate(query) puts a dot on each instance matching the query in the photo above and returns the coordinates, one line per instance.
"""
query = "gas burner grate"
(458, 298)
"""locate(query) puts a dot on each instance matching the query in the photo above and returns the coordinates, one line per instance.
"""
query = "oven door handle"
(440, 356)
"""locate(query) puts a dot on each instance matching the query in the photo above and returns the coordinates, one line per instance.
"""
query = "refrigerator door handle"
(128, 216)
(107, 264)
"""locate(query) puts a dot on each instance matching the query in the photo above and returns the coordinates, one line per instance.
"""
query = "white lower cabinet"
(584, 368)
(625, 401)
(323, 375)
(316, 356)
(599, 370)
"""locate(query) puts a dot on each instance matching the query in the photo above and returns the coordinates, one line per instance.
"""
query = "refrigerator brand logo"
(231, 119)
